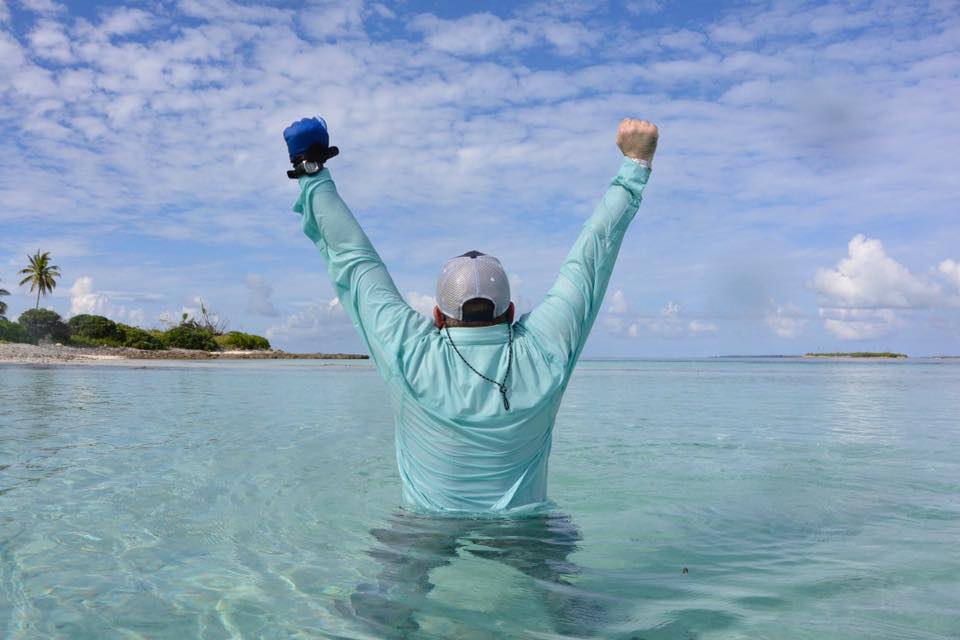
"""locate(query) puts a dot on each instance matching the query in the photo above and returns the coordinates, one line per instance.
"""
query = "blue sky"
(804, 196)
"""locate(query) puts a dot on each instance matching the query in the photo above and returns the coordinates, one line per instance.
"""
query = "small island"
(857, 354)
(40, 336)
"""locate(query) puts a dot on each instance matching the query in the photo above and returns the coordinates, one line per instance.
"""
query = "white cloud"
(4, 11)
(950, 269)
(41, 6)
(232, 11)
(618, 302)
(125, 21)
(860, 324)
(670, 322)
(260, 292)
(337, 18)
(518, 295)
(316, 322)
(49, 41)
(786, 321)
(869, 278)
(639, 7)
(483, 33)
(495, 129)
(731, 33)
(11, 53)
(85, 299)
(422, 303)
(476, 34)
(683, 39)
(861, 297)
(699, 327)
(615, 319)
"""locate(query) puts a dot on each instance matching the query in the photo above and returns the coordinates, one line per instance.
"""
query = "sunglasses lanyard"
(500, 385)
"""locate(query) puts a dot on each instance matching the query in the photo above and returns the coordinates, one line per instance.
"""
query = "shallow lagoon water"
(805, 499)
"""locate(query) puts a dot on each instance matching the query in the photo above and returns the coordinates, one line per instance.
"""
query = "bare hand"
(637, 139)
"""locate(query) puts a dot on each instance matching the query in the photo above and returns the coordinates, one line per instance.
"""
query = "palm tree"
(3, 305)
(41, 274)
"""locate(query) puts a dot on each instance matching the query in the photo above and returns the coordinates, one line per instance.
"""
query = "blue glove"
(308, 140)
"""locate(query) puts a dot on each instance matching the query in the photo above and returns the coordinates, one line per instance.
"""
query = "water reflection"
(410, 546)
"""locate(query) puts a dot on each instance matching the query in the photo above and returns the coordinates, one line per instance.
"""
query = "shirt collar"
(494, 334)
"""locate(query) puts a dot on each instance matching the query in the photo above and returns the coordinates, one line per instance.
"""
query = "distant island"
(857, 354)
(42, 336)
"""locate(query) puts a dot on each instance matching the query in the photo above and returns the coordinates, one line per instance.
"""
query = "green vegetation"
(243, 341)
(857, 354)
(97, 331)
(41, 275)
(94, 328)
(190, 335)
(12, 332)
(3, 305)
(44, 324)
(87, 330)
(137, 338)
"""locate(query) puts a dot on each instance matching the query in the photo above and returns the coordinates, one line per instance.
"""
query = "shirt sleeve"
(365, 289)
(562, 322)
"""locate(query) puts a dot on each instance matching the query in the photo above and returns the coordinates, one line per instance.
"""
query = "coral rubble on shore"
(54, 354)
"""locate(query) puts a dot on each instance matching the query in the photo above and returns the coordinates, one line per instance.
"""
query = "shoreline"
(17, 353)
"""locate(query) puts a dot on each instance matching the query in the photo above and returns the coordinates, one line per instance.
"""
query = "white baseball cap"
(470, 276)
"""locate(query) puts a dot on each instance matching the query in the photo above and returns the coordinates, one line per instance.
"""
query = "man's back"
(462, 445)
(457, 447)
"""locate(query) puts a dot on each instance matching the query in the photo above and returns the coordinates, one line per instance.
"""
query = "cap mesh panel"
(465, 278)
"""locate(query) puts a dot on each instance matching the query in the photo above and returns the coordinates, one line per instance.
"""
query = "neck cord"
(501, 385)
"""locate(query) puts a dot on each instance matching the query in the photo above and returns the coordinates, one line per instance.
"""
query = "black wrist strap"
(314, 154)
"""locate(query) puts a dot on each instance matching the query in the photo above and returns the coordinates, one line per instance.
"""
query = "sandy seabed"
(11, 353)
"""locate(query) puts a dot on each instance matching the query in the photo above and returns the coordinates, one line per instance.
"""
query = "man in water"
(474, 393)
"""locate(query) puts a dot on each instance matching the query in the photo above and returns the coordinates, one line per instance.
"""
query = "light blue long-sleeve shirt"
(458, 448)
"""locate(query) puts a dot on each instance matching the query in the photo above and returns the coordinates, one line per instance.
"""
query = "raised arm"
(562, 322)
(360, 279)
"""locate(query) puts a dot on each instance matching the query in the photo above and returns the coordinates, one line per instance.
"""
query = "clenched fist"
(637, 139)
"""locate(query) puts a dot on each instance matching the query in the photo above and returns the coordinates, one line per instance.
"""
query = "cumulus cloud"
(84, 298)
(618, 302)
(860, 324)
(865, 295)
(259, 296)
(869, 278)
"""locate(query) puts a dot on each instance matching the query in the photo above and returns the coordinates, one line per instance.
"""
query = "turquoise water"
(806, 499)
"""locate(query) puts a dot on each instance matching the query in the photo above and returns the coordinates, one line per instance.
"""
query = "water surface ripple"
(694, 499)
